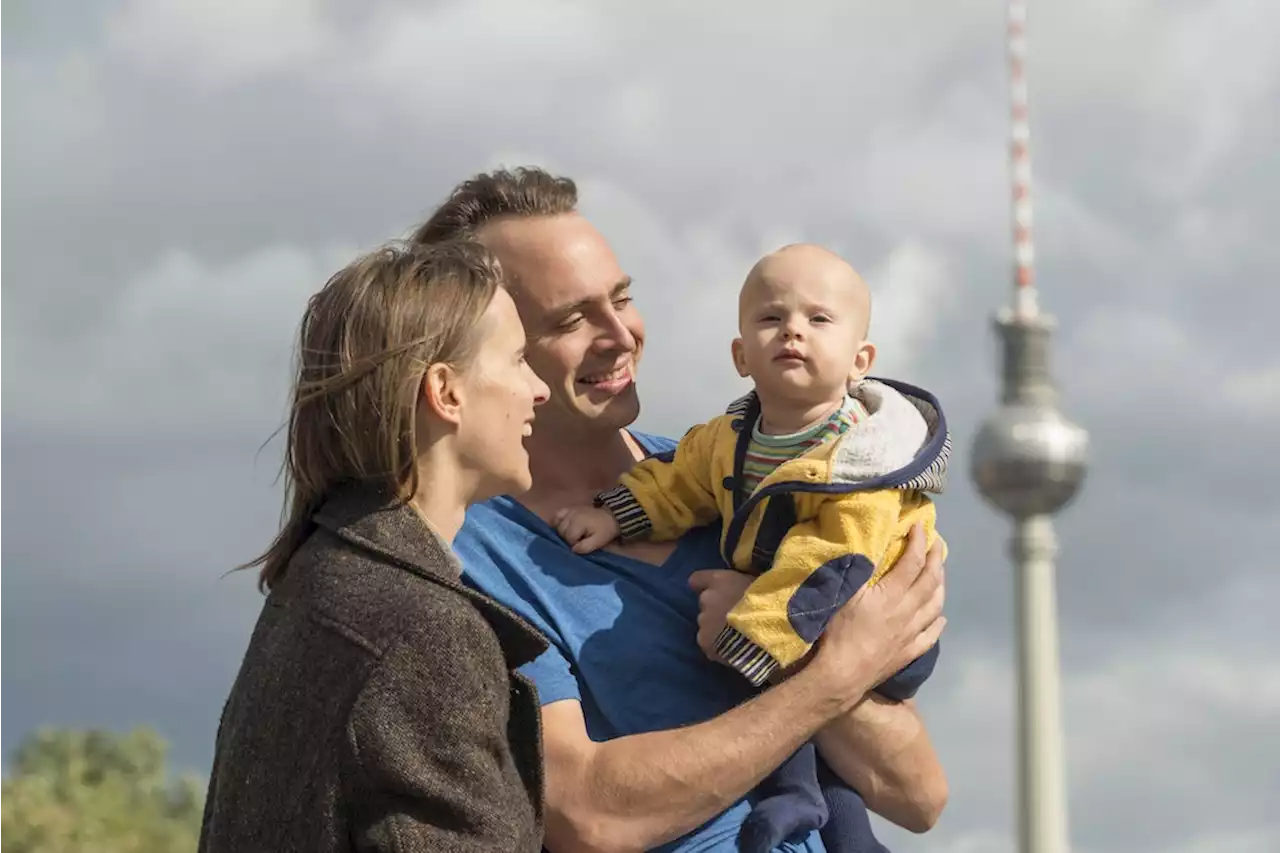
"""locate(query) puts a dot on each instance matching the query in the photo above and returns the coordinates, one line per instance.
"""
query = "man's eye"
(570, 323)
(622, 301)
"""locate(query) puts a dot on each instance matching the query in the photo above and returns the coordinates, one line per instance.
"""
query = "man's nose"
(615, 334)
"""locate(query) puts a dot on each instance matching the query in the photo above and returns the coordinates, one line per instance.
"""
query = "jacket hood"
(903, 443)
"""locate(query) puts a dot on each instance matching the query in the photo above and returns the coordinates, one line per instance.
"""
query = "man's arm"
(637, 792)
(882, 749)
(640, 791)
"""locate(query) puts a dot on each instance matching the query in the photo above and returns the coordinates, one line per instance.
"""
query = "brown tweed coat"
(378, 707)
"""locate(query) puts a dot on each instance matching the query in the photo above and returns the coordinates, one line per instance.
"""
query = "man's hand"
(586, 528)
(888, 625)
(718, 591)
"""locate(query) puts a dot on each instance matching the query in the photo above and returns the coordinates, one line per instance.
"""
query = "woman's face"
(500, 392)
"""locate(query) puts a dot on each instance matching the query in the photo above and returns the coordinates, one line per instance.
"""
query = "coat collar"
(372, 518)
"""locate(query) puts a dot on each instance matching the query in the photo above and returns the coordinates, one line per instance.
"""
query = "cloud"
(185, 344)
(912, 291)
(220, 44)
(1223, 70)
(409, 50)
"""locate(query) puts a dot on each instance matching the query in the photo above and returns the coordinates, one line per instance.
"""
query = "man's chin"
(585, 419)
(617, 412)
(622, 411)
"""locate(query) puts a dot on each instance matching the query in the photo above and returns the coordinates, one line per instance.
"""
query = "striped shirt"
(766, 452)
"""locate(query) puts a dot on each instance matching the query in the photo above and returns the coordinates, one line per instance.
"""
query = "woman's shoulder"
(377, 603)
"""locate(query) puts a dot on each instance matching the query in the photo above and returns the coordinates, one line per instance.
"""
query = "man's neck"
(569, 471)
(784, 417)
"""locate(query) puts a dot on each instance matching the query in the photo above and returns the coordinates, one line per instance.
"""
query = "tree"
(95, 791)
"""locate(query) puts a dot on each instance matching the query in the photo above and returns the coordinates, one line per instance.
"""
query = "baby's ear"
(739, 358)
(863, 361)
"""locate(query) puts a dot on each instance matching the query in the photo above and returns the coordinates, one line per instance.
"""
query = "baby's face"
(803, 328)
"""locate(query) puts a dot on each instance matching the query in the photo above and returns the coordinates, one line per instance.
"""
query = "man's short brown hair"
(522, 192)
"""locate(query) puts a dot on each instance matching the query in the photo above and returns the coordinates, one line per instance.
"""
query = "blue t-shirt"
(623, 633)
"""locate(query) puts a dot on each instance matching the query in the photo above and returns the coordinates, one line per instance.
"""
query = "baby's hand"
(586, 528)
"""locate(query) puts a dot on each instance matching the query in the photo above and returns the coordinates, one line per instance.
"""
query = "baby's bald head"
(811, 267)
(803, 316)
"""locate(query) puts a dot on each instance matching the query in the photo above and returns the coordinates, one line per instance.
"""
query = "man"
(649, 743)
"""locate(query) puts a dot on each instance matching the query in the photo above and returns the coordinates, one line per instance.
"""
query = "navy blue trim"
(937, 445)
(749, 416)
(779, 517)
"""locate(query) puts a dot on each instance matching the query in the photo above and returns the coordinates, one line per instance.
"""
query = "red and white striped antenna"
(1024, 302)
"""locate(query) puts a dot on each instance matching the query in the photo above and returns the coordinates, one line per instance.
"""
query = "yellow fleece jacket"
(814, 531)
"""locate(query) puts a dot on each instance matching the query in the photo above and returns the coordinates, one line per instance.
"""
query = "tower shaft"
(1042, 801)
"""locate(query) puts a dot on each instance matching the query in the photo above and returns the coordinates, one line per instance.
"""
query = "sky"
(182, 176)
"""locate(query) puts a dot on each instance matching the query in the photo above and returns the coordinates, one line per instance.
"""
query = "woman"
(378, 707)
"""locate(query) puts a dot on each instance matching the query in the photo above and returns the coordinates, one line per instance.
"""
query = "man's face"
(585, 334)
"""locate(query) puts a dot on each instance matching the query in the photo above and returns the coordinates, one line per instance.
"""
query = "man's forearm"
(643, 790)
(883, 750)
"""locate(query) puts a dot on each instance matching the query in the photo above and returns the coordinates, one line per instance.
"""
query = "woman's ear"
(442, 392)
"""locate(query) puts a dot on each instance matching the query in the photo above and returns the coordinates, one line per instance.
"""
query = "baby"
(818, 475)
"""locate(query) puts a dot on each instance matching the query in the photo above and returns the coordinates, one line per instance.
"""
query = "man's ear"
(442, 392)
(739, 358)
(864, 360)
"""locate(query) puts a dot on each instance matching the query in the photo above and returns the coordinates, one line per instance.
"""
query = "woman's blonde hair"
(365, 343)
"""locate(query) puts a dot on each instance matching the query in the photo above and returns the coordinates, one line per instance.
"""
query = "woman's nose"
(541, 393)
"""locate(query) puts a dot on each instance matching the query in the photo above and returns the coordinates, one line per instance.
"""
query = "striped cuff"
(737, 649)
(631, 518)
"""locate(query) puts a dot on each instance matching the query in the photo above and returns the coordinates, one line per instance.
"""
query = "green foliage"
(72, 791)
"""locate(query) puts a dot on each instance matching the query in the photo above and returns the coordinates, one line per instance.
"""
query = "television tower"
(1029, 462)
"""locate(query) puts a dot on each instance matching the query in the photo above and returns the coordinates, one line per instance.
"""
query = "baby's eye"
(769, 318)
(822, 318)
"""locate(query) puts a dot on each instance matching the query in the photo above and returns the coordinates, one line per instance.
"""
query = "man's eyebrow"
(561, 312)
